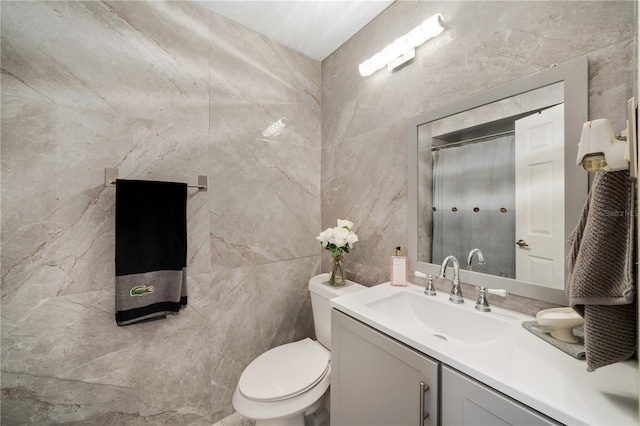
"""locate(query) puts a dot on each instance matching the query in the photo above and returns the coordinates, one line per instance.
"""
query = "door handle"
(423, 415)
(522, 243)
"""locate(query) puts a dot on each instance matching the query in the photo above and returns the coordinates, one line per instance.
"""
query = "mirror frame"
(574, 74)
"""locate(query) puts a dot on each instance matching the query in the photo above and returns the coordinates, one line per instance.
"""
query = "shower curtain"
(474, 204)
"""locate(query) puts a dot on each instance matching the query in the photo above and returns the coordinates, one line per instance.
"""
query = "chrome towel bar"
(111, 174)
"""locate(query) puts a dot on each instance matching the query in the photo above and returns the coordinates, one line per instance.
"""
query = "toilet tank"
(321, 292)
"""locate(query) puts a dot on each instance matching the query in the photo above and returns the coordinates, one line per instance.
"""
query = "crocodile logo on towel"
(141, 290)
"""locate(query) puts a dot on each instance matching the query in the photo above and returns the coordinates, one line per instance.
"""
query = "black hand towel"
(151, 249)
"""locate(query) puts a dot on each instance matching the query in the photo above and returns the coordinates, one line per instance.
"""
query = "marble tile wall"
(166, 91)
(485, 43)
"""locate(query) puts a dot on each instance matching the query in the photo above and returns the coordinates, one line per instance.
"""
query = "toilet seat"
(285, 371)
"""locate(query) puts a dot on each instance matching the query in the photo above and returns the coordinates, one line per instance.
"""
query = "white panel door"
(540, 198)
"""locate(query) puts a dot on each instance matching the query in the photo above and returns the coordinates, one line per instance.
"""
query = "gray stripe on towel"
(139, 290)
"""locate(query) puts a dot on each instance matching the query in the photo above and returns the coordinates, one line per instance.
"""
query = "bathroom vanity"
(400, 357)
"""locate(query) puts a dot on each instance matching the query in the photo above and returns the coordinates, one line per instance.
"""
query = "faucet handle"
(481, 304)
(498, 291)
(429, 289)
(420, 274)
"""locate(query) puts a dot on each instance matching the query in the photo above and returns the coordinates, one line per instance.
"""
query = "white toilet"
(286, 383)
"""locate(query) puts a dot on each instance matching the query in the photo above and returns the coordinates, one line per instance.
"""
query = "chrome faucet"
(456, 293)
(470, 258)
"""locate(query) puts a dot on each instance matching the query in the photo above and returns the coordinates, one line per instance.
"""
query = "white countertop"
(518, 364)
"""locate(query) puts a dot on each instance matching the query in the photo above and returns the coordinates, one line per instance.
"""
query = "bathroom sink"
(442, 319)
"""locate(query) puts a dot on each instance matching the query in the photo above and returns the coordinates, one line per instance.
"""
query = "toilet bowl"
(283, 384)
(289, 382)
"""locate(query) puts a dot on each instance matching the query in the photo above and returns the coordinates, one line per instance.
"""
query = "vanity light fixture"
(599, 149)
(403, 49)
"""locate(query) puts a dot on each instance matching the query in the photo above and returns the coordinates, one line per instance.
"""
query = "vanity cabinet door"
(376, 380)
(468, 402)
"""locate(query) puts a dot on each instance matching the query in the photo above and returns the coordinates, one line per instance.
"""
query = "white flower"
(345, 224)
(352, 239)
(325, 236)
(339, 239)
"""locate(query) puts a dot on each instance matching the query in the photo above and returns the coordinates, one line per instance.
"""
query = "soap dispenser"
(398, 268)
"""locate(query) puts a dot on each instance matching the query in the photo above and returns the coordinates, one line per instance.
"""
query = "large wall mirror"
(497, 172)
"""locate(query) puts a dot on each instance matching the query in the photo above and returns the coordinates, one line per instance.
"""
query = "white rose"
(352, 239)
(325, 236)
(339, 237)
(345, 223)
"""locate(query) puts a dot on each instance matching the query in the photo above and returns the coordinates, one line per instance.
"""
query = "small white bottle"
(398, 268)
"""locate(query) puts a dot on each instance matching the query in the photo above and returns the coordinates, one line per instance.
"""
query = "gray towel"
(600, 285)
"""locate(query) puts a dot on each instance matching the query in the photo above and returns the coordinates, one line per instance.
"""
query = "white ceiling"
(314, 28)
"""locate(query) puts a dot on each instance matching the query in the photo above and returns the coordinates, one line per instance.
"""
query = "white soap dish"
(561, 321)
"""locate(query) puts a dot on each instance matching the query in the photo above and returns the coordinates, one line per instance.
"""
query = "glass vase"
(338, 271)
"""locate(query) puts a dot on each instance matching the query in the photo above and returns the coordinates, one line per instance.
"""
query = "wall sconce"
(404, 48)
(599, 149)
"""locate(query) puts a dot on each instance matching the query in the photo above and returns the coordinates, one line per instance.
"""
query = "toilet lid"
(285, 371)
